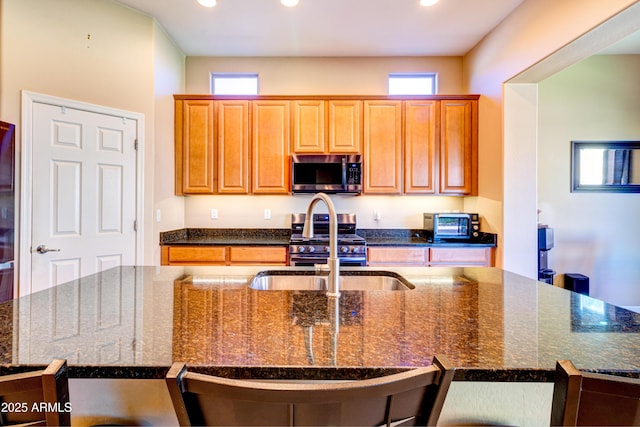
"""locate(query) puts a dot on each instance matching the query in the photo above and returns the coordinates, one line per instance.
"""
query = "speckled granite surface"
(133, 322)
(408, 237)
(280, 236)
(226, 236)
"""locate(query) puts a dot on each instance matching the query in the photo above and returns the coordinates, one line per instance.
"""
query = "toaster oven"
(452, 226)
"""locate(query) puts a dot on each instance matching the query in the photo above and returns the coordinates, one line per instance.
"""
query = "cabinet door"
(458, 147)
(383, 147)
(271, 172)
(386, 255)
(233, 146)
(461, 256)
(194, 147)
(193, 255)
(258, 255)
(309, 126)
(345, 124)
(421, 127)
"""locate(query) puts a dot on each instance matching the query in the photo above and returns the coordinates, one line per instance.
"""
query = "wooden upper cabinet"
(194, 149)
(270, 137)
(420, 139)
(382, 147)
(458, 147)
(232, 136)
(345, 124)
(242, 146)
(326, 126)
(309, 126)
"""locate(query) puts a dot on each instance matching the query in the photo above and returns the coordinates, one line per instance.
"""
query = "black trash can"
(577, 283)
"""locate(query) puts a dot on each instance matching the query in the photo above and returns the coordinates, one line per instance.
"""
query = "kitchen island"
(494, 326)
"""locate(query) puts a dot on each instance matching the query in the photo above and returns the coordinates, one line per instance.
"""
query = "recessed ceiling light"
(428, 2)
(289, 3)
(207, 3)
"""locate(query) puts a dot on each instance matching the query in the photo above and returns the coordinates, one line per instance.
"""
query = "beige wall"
(595, 234)
(533, 32)
(97, 52)
(91, 51)
(325, 75)
(169, 78)
(314, 76)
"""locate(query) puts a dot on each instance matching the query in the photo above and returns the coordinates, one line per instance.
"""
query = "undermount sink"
(314, 281)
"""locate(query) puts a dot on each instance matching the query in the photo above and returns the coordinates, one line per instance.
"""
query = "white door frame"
(23, 286)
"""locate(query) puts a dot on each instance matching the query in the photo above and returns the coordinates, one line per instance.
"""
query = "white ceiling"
(327, 27)
(334, 27)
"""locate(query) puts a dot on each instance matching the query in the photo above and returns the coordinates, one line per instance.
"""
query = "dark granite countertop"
(227, 236)
(280, 237)
(133, 322)
(413, 237)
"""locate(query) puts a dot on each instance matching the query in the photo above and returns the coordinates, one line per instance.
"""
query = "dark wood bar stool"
(414, 397)
(582, 398)
(38, 398)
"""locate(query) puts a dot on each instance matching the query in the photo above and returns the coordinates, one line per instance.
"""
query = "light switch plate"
(214, 213)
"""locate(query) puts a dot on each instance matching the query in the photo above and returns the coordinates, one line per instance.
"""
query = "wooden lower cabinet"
(431, 256)
(257, 255)
(193, 255)
(385, 255)
(478, 257)
(223, 255)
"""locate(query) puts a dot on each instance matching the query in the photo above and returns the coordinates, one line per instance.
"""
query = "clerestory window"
(412, 84)
(234, 83)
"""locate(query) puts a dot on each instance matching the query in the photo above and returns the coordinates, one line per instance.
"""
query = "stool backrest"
(37, 397)
(413, 397)
(582, 398)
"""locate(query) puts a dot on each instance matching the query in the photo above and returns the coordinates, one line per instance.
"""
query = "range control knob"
(312, 249)
(300, 249)
(355, 249)
(344, 249)
(327, 249)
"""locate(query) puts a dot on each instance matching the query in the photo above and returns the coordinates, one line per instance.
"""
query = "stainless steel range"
(352, 249)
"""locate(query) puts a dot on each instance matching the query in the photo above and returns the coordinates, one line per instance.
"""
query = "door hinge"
(135, 225)
(135, 145)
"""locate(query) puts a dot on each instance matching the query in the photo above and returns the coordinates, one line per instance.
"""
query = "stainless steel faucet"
(307, 232)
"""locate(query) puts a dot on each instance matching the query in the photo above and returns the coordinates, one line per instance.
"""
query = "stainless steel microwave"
(452, 226)
(327, 173)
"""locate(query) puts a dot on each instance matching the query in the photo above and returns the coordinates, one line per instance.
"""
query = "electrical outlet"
(267, 214)
(376, 215)
(214, 213)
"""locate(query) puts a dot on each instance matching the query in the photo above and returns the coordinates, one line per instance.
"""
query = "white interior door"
(83, 193)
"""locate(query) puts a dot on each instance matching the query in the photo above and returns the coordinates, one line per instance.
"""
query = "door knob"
(42, 249)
